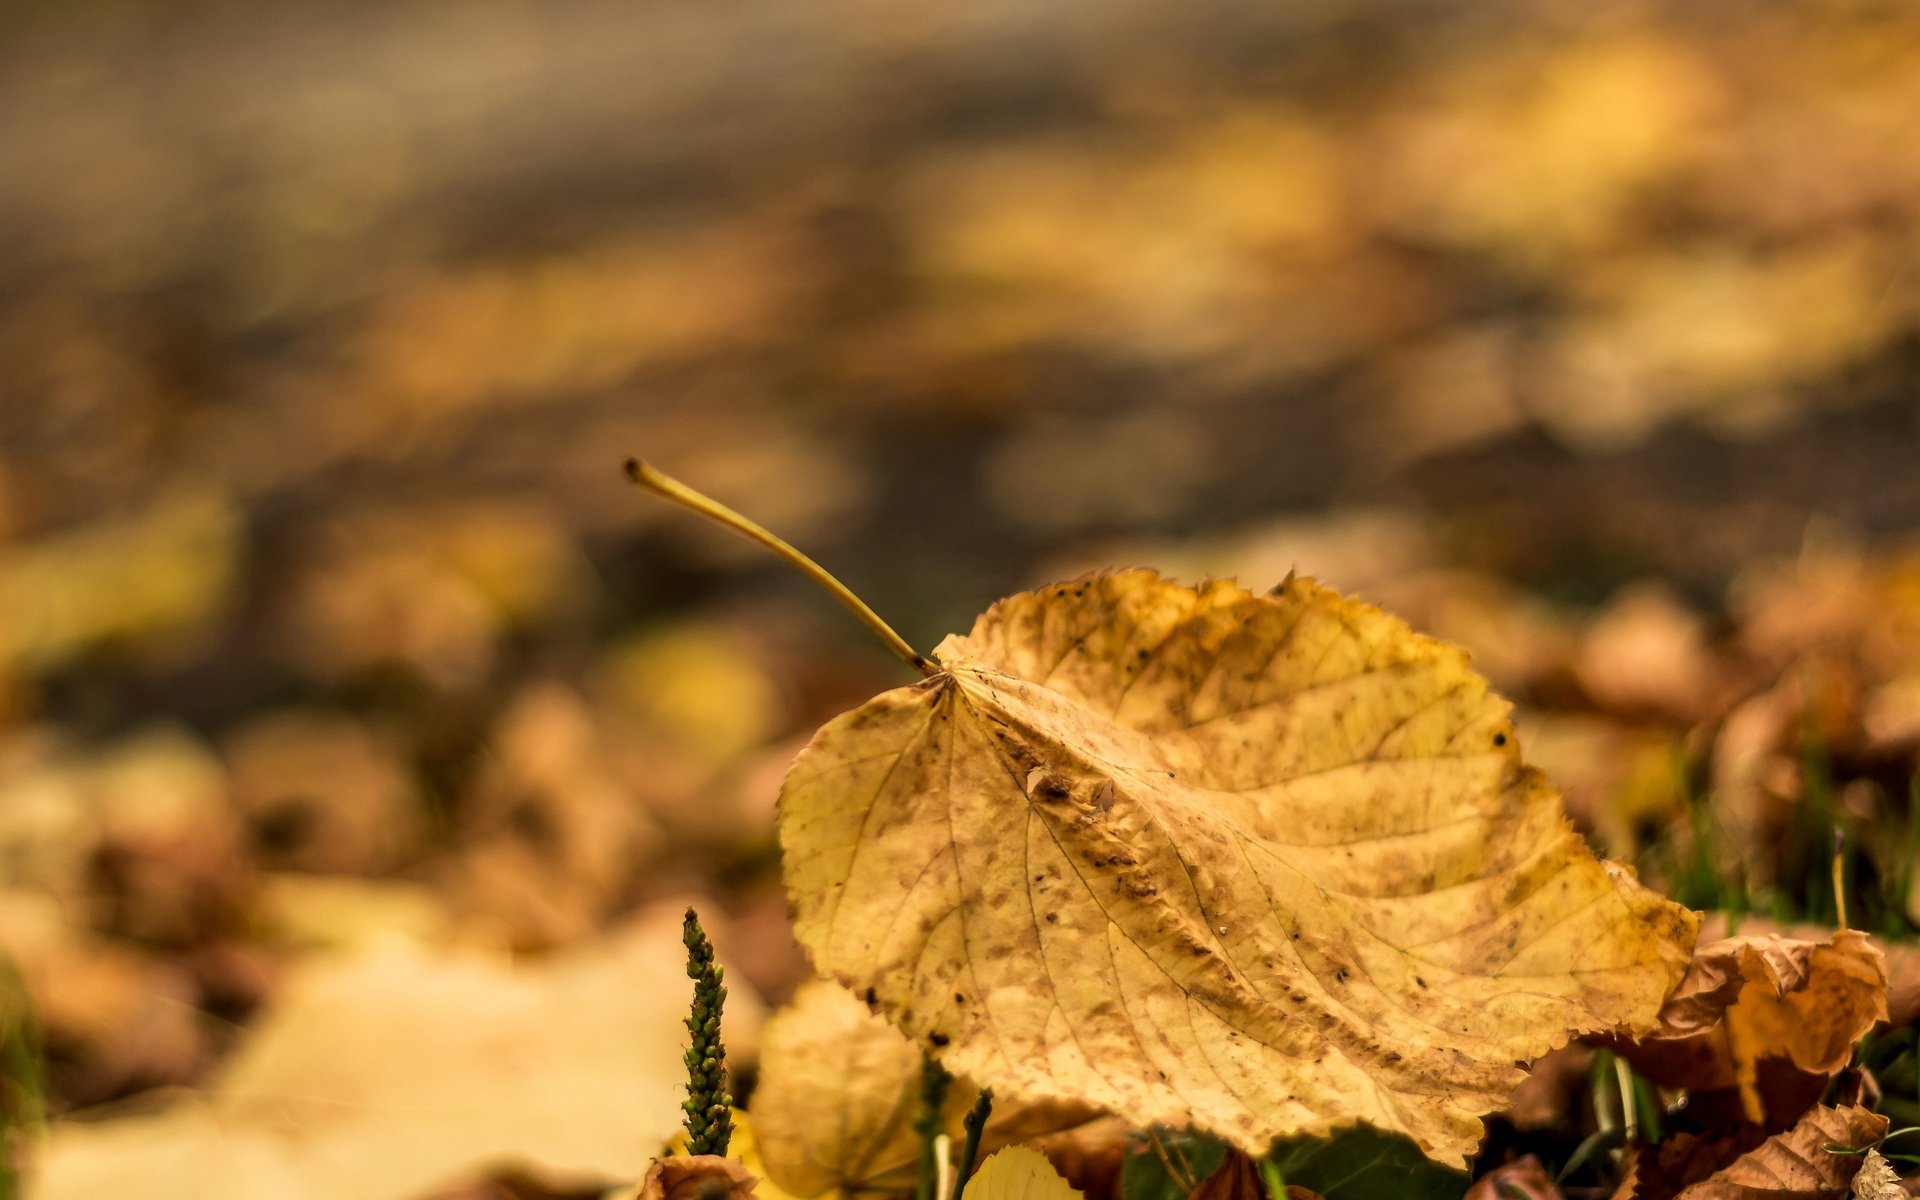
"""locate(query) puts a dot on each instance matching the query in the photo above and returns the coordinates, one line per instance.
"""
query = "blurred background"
(335, 652)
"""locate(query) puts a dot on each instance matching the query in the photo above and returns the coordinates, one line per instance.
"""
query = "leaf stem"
(669, 488)
(975, 1124)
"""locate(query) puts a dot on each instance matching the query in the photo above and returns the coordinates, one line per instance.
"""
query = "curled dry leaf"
(1746, 999)
(1877, 1180)
(697, 1177)
(743, 1147)
(838, 1093)
(1257, 864)
(1795, 1165)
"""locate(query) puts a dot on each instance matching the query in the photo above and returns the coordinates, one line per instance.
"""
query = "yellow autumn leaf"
(838, 1094)
(1261, 865)
(1018, 1173)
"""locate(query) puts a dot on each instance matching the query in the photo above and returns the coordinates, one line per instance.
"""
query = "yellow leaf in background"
(383, 1073)
(1258, 864)
(1018, 1173)
(839, 1090)
(143, 581)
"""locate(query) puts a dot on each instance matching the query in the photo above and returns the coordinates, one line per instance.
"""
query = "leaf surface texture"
(1260, 865)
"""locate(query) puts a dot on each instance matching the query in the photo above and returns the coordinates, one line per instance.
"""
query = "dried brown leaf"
(1747, 999)
(1258, 864)
(1877, 1180)
(697, 1177)
(1797, 1164)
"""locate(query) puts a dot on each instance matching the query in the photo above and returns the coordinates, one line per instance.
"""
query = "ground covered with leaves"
(363, 736)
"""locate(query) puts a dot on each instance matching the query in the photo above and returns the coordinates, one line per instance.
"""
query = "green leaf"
(1365, 1164)
(1144, 1176)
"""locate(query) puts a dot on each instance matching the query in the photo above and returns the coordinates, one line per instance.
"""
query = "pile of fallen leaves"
(1213, 889)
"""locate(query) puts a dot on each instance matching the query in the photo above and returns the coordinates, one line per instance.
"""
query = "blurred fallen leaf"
(148, 582)
(1518, 641)
(838, 1094)
(322, 792)
(1623, 783)
(136, 833)
(395, 1069)
(1305, 908)
(115, 1017)
(434, 591)
(699, 685)
(1646, 654)
(344, 911)
(1757, 761)
(837, 1097)
(1745, 999)
(187, 1152)
(553, 837)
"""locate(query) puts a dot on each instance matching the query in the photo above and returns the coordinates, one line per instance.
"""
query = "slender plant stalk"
(1184, 1179)
(1276, 1181)
(709, 1102)
(22, 1087)
(1629, 1112)
(1839, 878)
(975, 1124)
(666, 486)
(934, 1081)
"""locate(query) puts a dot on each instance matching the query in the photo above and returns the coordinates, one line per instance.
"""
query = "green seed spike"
(709, 1103)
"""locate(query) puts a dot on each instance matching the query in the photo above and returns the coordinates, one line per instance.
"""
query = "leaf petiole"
(667, 487)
